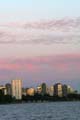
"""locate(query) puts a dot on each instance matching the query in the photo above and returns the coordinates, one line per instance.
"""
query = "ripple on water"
(41, 111)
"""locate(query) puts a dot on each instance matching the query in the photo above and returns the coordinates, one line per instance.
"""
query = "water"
(41, 111)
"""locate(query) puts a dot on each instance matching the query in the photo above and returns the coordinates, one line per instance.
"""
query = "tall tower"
(58, 89)
(8, 88)
(43, 86)
(16, 89)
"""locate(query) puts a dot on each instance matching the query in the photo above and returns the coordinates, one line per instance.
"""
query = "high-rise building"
(70, 89)
(24, 91)
(65, 90)
(51, 90)
(44, 89)
(58, 89)
(8, 88)
(17, 89)
(39, 89)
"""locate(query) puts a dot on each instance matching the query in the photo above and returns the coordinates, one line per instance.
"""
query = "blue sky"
(16, 10)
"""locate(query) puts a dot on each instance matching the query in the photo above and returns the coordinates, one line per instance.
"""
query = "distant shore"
(7, 99)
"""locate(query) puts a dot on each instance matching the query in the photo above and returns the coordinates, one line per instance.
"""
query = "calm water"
(41, 111)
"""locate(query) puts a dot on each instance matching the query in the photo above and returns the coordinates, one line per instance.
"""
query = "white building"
(51, 90)
(17, 89)
(58, 89)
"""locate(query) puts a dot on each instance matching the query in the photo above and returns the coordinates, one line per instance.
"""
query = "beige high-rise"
(16, 89)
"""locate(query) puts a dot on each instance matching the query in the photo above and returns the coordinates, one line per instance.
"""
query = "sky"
(40, 41)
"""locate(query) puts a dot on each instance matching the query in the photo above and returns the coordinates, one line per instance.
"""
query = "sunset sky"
(40, 41)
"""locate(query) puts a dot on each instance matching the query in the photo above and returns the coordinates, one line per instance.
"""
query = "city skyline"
(16, 89)
(14, 92)
(40, 41)
(15, 85)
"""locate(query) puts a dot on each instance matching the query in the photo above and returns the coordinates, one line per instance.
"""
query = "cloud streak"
(63, 31)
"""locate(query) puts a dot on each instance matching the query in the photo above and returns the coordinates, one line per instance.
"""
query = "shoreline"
(14, 103)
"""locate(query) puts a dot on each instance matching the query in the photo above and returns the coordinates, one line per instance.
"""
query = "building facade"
(43, 89)
(3, 90)
(65, 90)
(58, 90)
(8, 88)
(30, 91)
(51, 90)
(39, 89)
(17, 89)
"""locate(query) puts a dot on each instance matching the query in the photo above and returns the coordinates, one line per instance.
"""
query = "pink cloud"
(59, 62)
(32, 68)
(16, 66)
(61, 67)
(64, 66)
